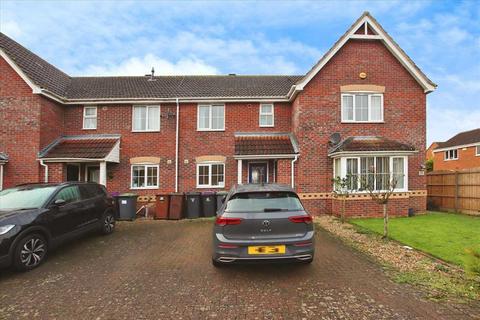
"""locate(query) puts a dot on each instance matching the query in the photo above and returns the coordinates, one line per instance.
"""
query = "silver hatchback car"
(262, 223)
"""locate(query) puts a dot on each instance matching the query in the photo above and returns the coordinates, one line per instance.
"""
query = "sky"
(254, 37)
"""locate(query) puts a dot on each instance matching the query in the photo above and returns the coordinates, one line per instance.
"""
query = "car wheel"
(217, 264)
(108, 223)
(30, 252)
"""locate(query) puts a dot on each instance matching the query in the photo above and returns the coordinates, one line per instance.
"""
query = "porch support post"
(239, 171)
(1, 176)
(103, 173)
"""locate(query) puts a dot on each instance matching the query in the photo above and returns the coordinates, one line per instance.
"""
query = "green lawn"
(444, 235)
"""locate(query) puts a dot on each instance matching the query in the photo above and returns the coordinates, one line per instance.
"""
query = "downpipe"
(176, 144)
(293, 171)
(45, 179)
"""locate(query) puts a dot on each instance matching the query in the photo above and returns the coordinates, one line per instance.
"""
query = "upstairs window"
(146, 118)
(362, 107)
(478, 150)
(451, 154)
(210, 175)
(89, 118)
(211, 118)
(266, 115)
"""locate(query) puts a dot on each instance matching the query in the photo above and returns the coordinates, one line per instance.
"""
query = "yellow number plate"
(266, 249)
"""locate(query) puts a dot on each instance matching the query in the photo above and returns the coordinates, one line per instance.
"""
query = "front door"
(73, 172)
(258, 172)
(93, 174)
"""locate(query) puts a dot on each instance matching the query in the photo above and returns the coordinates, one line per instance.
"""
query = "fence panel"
(457, 191)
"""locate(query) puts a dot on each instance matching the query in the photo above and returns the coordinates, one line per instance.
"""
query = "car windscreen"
(263, 202)
(25, 197)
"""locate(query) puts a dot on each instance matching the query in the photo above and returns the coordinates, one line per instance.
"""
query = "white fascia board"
(72, 159)
(381, 35)
(370, 153)
(35, 89)
(262, 156)
(173, 100)
(457, 147)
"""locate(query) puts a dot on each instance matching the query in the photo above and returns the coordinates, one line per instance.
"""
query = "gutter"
(177, 129)
(46, 170)
(293, 171)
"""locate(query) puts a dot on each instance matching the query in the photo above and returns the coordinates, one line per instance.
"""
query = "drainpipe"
(176, 144)
(1, 176)
(46, 171)
(293, 170)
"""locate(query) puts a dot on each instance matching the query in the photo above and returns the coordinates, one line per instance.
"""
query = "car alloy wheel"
(33, 251)
(108, 223)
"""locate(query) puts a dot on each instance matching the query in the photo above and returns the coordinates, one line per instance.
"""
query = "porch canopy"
(259, 153)
(92, 149)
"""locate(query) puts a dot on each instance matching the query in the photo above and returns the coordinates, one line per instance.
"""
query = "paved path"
(162, 270)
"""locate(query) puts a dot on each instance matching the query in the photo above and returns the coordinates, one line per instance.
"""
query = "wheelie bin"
(175, 211)
(209, 206)
(193, 206)
(162, 205)
(127, 206)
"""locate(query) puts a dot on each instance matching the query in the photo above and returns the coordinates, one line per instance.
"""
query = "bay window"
(210, 175)
(362, 107)
(379, 172)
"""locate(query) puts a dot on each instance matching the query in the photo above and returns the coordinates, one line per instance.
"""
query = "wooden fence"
(457, 191)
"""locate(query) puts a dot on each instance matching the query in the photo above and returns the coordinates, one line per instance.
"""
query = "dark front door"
(73, 172)
(258, 172)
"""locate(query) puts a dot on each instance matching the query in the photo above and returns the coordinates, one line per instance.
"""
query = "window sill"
(89, 128)
(144, 131)
(144, 188)
(272, 126)
(362, 122)
(450, 159)
(207, 130)
(210, 187)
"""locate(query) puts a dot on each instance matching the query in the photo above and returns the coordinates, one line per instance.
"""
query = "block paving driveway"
(162, 270)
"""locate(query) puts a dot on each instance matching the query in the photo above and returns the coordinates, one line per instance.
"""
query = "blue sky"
(128, 38)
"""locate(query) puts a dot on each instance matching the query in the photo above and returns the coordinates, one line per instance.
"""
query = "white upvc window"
(89, 118)
(478, 150)
(210, 175)
(451, 154)
(145, 118)
(211, 117)
(266, 115)
(145, 176)
(362, 107)
(376, 171)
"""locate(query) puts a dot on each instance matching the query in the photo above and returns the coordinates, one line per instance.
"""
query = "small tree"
(382, 197)
(342, 190)
(429, 165)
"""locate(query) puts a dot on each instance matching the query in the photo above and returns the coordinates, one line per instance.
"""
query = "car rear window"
(25, 197)
(264, 202)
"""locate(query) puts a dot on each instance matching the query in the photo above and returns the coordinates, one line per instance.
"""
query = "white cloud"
(444, 123)
(139, 66)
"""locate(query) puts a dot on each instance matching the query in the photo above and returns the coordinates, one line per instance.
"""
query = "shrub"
(472, 261)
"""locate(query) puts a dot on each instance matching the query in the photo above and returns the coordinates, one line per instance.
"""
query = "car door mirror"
(59, 202)
(223, 199)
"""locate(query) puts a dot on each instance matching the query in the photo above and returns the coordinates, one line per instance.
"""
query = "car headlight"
(5, 229)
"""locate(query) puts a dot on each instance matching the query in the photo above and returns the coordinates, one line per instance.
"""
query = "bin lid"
(176, 194)
(192, 193)
(222, 193)
(128, 195)
(208, 193)
(162, 194)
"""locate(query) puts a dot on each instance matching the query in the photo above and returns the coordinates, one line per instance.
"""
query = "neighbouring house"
(462, 151)
(429, 152)
(360, 111)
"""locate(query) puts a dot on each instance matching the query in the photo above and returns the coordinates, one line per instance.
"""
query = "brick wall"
(369, 208)
(467, 159)
(317, 114)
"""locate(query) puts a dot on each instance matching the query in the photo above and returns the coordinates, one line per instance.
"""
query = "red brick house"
(462, 151)
(360, 111)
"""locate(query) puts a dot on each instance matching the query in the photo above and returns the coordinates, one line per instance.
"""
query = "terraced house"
(359, 111)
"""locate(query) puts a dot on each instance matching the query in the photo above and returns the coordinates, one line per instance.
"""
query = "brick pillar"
(57, 172)
(284, 173)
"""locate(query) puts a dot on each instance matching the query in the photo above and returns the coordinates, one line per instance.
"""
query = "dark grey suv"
(262, 223)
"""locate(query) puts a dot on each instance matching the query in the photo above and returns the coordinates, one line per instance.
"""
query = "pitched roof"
(180, 86)
(379, 34)
(368, 144)
(88, 147)
(462, 138)
(263, 144)
(42, 73)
